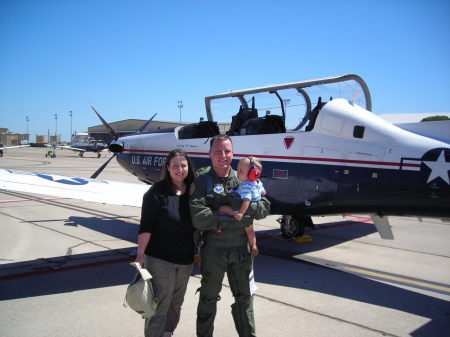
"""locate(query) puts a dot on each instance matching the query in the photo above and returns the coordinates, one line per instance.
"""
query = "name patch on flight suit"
(218, 188)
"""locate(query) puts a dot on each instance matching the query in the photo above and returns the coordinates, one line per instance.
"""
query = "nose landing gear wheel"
(294, 225)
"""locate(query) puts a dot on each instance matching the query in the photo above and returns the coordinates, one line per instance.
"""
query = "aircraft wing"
(96, 190)
(12, 147)
(439, 130)
(73, 148)
(67, 147)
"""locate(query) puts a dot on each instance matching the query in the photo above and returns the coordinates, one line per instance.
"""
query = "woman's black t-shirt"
(166, 216)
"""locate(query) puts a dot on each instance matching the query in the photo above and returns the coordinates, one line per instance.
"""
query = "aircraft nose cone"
(115, 147)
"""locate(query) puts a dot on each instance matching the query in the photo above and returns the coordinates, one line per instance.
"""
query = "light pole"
(70, 113)
(56, 127)
(180, 105)
(27, 119)
(286, 101)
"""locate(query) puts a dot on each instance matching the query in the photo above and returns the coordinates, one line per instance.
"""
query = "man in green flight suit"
(225, 244)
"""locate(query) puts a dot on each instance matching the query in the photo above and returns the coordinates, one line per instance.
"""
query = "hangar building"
(128, 126)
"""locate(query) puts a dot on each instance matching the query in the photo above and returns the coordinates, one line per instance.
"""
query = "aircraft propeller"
(142, 128)
(101, 168)
(113, 145)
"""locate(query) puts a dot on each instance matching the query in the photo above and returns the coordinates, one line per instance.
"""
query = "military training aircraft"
(338, 158)
(82, 144)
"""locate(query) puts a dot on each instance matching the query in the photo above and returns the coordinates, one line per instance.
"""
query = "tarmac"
(64, 269)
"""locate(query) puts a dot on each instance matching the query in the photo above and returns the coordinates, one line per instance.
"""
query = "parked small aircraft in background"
(2, 148)
(336, 158)
(82, 144)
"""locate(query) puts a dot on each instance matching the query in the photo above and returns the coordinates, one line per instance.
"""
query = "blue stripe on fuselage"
(297, 188)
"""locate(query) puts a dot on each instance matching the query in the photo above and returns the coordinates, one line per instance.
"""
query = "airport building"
(129, 126)
(12, 139)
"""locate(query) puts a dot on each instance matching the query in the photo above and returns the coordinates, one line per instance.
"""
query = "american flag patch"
(280, 174)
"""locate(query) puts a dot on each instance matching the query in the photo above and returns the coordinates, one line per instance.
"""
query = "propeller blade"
(107, 126)
(96, 174)
(142, 128)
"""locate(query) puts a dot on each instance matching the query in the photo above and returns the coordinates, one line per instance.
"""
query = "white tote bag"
(139, 295)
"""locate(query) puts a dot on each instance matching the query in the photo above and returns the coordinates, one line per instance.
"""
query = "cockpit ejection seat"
(241, 117)
(314, 112)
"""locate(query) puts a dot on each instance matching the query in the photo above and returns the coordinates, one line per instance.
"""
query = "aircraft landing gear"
(80, 154)
(98, 154)
(294, 225)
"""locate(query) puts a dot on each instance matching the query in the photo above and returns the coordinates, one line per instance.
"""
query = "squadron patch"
(218, 188)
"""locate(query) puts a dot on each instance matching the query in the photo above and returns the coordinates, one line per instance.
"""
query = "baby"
(250, 189)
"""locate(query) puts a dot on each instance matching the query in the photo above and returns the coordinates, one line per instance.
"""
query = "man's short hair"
(221, 138)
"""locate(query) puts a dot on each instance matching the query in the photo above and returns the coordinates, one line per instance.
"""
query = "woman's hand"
(140, 260)
(143, 240)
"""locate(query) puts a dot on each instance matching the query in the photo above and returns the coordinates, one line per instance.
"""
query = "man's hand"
(254, 250)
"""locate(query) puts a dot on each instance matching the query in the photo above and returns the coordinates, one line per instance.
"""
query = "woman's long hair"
(165, 174)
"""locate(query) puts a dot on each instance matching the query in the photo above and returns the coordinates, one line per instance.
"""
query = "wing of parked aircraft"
(66, 147)
(94, 190)
(11, 147)
(76, 149)
(94, 147)
(2, 148)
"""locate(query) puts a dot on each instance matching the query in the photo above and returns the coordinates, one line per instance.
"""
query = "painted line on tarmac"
(274, 233)
(91, 211)
(81, 209)
(117, 256)
(67, 268)
(379, 275)
(305, 309)
(36, 199)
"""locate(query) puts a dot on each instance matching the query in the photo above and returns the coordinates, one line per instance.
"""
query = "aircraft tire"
(296, 225)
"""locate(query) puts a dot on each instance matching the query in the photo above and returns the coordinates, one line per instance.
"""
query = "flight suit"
(225, 249)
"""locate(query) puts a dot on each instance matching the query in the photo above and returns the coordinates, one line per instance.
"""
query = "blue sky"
(133, 58)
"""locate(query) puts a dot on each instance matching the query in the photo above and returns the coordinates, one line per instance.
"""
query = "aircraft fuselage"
(350, 162)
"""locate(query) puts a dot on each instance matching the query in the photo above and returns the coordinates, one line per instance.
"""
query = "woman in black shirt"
(165, 241)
